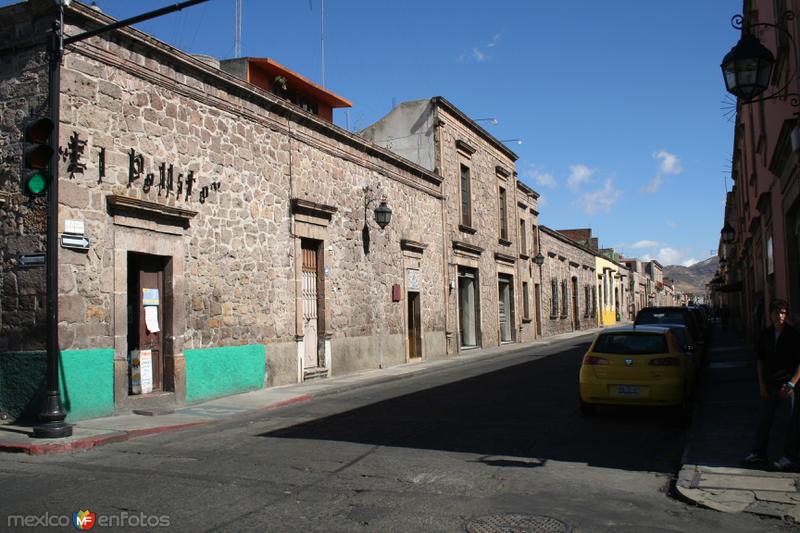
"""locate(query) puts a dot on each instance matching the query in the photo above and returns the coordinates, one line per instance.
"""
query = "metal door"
(309, 288)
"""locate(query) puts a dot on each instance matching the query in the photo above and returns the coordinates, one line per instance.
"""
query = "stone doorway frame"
(149, 228)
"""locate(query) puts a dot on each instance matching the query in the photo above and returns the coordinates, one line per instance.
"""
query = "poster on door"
(146, 370)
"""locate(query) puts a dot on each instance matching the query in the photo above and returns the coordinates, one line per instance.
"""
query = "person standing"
(778, 363)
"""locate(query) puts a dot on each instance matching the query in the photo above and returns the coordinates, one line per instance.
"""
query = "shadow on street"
(522, 415)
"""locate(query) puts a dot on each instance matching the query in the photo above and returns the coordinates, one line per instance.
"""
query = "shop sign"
(167, 180)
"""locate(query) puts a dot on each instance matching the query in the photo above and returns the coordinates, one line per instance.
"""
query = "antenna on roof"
(322, 38)
(237, 31)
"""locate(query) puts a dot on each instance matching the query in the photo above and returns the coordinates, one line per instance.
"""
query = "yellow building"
(610, 290)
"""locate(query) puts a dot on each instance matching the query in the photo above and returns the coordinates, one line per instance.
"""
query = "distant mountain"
(693, 279)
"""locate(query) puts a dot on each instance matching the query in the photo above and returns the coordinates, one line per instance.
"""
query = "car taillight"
(665, 361)
(594, 360)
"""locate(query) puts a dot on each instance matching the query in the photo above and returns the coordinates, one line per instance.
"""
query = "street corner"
(736, 490)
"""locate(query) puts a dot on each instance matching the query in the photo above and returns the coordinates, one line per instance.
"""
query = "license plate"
(628, 390)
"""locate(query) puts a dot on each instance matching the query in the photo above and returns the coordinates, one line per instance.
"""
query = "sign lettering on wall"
(167, 180)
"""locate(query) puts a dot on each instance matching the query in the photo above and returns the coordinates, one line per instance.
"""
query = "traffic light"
(37, 152)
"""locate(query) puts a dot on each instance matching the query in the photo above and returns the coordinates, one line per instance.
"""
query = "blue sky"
(620, 105)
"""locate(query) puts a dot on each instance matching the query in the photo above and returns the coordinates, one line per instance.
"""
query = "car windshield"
(662, 317)
(631, 343)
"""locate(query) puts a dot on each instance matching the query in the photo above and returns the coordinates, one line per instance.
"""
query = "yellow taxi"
(636, 365)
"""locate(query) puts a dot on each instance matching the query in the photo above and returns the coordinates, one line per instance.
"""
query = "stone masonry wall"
(564, 260)
(254, 153)
(23, 219)
(485, 184)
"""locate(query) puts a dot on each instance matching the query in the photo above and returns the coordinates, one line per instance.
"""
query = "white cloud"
(670, 256)
(644, 244)
(478, 55)
(542, 201)
(670, 164)
(540, 178)
(601, 201)
(673, 225)
(653, 186)
(578, 175)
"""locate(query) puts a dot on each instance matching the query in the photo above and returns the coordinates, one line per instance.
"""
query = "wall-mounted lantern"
(539, 259)
(383, 214)
(727, 233)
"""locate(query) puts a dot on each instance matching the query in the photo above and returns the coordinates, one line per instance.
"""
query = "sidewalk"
(721, 434)
(98, 431)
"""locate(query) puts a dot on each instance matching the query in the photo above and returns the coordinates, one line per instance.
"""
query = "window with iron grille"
(526, 307)
(553, 298)
(466, 202)
(587, 300)
(503, 214)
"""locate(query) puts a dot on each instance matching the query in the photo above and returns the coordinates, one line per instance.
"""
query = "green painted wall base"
(214, 372)
(86, 381)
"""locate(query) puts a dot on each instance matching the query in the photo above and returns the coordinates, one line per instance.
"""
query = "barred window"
(526, 307)
(587, 301)
(554, 298)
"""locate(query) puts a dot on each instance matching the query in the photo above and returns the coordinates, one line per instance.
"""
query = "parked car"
(685, 340)
(676, 315)
(636, 365)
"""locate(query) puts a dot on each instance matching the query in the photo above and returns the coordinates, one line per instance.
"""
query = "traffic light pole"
(52, 417)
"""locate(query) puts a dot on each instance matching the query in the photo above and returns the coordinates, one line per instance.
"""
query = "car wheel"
(588, 409)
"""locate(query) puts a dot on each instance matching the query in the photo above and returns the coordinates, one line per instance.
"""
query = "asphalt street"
(465, 447)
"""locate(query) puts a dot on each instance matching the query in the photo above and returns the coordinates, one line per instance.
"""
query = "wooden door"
(576, 323)
(414, 326)
(147, 276)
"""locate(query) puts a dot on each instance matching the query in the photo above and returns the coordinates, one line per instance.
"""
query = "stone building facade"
(231, 232)
(567, 280)
(487, 271)
(638, 283)
(655, 272)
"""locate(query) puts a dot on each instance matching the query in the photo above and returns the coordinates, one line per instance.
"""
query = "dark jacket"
(780, 358)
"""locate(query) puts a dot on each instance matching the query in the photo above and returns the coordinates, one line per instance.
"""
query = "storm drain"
(517, 523)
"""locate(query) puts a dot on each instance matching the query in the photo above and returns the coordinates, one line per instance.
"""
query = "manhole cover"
(517, 523)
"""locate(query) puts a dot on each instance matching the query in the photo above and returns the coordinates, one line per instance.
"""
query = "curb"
(114, 436)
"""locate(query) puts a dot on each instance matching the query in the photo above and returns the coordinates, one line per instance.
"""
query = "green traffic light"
(36, 183)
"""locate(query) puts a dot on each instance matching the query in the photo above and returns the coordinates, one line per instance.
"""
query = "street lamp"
(383, 214)
(747, 68)
(728, 233)
(539, 259)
